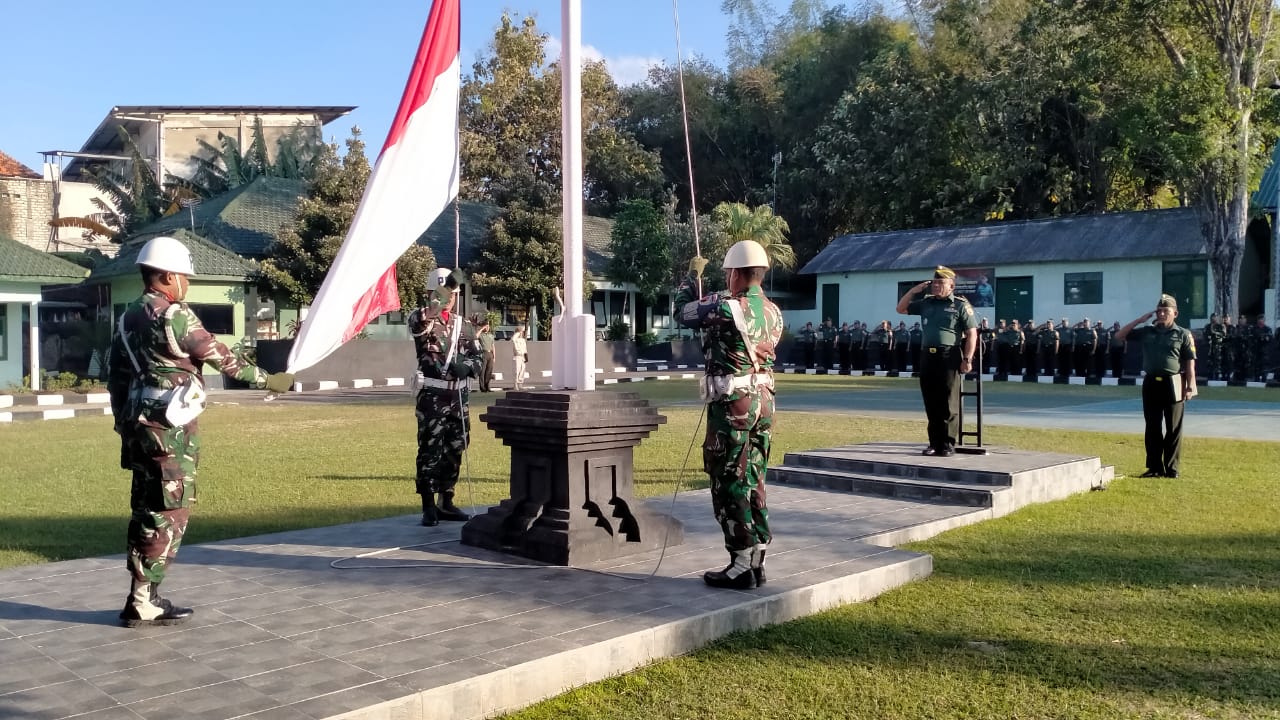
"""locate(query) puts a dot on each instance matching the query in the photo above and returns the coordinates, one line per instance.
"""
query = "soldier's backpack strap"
(455, 328)
(740, 322)
(128, 350)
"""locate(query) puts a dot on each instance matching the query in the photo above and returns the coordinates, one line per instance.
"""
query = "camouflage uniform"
(169, 344)
(1215, 337)
(444, 421)
(735, 452)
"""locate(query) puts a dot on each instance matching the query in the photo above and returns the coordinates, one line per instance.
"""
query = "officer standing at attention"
(520, 354)
(1215, 336)
(950, 339)
(157, 391)
(448, 354)
(742, 329)
(1169, 361)
(488, 349)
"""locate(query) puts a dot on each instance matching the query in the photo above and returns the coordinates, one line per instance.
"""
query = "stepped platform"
(387, 619)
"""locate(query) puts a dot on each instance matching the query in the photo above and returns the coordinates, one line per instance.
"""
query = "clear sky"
(71, 61)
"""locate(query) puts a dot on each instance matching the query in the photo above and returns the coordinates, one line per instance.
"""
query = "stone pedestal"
(572, 486)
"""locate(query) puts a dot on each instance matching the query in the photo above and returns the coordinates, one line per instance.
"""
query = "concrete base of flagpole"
(572, 486)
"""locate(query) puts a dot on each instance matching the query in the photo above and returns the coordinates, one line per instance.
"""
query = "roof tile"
(12, 168)
(21, 263)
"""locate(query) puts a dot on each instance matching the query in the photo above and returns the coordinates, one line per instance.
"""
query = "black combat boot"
(449, 511)
(144, 606)
(757, 564)
(736, 576)
(430, 518)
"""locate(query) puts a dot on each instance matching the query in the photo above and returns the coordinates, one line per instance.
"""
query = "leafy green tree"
(521, 263)
(511, 129)
(297, 263)
(225, 166)
(641, 249)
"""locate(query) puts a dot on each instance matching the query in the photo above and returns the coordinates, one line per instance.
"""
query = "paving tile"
(344, 639)
(156, 680)
(447, 673)
(32, 671)
(302, 620)
(354, 699)
(308, 680)
(59, 700)
(403, 657)
(49, 611)
(269, 602)
(264, 657)
(117, 656)
(216, 701)
(194, 642)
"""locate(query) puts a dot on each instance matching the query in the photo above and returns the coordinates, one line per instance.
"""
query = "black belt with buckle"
(944, 349)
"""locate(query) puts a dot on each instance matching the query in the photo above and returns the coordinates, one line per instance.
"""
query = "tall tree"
(737, 222)
(522, 262)
(511, 130)
(641, 249)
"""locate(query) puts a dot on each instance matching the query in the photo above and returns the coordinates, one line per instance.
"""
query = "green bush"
(618, 330)
(644, 340)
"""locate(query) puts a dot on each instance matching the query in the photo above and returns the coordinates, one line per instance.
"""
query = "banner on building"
(977, 285)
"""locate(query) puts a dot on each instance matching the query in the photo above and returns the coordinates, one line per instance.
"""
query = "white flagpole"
(573, 344)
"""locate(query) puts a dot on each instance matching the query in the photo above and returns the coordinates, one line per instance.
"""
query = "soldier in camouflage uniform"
(448, 353)
(742, 328)
(1259, 342)
(1215, 338)
(156, 354)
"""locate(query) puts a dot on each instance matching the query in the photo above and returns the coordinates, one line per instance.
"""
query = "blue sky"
(72, 60)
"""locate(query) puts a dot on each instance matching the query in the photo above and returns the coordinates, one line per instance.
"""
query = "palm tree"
(223, 167)
(738, 222)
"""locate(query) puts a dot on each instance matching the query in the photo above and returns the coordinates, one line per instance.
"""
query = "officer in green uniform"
(858, 347)
(448, 353)
(156, 387)
(949, 342)
(741, 332)
(1011, 349)
(1048, 341)
(1169, 364)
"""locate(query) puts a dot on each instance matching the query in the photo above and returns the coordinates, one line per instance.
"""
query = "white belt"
(443, 384)
(717, 387)
(155, 393)
(743, 382)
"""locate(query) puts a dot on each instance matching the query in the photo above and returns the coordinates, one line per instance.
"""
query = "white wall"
(1129, 289)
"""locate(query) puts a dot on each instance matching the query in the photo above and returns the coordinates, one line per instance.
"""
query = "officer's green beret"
(1167, 301)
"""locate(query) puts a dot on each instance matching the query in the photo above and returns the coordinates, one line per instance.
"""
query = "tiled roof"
(19, 263)
(1110, 236)
(210, 260)
(244, 220)
(473, 228)
(12, 168)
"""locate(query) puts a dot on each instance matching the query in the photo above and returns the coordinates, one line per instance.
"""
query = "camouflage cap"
(1168, 301)
(944, 273)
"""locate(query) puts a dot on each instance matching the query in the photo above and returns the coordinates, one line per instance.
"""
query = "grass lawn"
(1156, 598)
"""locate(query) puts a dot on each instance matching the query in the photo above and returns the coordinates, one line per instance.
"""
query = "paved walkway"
(436, 629)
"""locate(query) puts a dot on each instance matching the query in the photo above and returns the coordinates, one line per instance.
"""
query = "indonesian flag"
(414, 179)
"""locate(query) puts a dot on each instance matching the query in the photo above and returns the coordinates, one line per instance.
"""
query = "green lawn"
(1156, 598)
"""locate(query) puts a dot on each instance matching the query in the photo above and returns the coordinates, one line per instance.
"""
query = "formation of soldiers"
(1238, 351)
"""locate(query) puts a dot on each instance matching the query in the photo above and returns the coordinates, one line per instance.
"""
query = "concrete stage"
(442, 630)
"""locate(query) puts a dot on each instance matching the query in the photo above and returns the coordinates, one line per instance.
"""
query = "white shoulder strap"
(125, 339)
(455, 329)
(740, 322)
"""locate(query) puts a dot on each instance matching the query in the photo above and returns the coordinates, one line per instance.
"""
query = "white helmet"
(745, 254)
(166, 253)
(439, 278)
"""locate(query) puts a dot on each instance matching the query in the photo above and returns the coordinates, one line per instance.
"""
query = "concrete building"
(169, 137)
(26, 204)
(1108, 267)
(24, 275)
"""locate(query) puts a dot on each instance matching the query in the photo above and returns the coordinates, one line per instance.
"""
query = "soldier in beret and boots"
(1169, 364)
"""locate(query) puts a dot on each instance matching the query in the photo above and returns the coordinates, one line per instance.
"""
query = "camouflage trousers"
(163, 461)
(444, 431)
(735, 455)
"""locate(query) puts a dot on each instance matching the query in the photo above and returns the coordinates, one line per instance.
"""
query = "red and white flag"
(414, 179)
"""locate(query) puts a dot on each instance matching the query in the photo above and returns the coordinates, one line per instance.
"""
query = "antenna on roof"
(190, 204)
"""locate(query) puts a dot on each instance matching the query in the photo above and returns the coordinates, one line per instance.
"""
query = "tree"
(641, 249)
(224, 166)
(522, 263)
(511, 130)
(297, 263)
(737, 222)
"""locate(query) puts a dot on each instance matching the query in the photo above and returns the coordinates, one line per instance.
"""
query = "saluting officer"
(950, 338)
(1169, 362)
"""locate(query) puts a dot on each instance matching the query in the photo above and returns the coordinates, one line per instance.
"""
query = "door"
(1013, 299)
(830, 303)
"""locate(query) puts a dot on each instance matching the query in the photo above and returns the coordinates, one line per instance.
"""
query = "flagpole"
(573, 344)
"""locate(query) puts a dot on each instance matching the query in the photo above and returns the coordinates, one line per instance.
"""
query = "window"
(662, 313)
(1188, 282)
(4, 332)
(217, 319)
(1083, 288)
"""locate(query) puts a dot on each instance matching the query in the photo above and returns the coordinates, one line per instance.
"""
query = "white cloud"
(625, 69)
